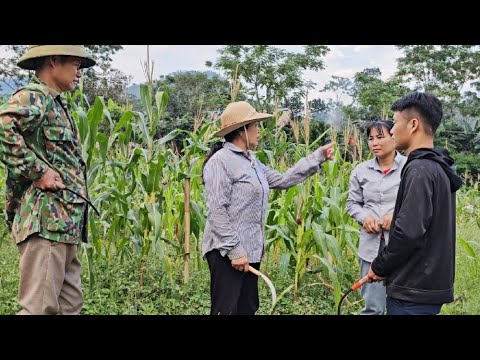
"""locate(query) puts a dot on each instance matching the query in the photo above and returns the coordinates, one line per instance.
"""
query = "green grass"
(8, 273)
(467, 272)
(117, 290)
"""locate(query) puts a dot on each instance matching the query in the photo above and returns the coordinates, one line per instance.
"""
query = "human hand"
(327, 150)
(51, 180)
(240, 264)
(386, 221)
(372, 277)
(370, 225)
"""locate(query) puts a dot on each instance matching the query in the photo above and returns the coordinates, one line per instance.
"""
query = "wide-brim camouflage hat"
(37, 51)
(238, 114)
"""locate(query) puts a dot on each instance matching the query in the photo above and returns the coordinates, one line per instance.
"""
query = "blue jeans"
(374, 294)
(401, 307)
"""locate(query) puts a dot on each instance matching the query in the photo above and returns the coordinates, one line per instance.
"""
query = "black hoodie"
(419, 261)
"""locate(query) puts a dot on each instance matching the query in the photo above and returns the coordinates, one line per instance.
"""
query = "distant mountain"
(210, 74)
(7, 86)
(135, 88)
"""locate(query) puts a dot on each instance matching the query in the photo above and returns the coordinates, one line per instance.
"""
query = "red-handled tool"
(354, 287)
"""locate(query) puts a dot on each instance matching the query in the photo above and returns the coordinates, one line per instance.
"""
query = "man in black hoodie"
(418, 263)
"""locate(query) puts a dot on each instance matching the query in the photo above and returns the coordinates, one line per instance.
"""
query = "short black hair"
(378, 125)
(427, 105)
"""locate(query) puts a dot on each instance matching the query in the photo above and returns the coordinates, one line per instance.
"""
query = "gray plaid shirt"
(237, 187)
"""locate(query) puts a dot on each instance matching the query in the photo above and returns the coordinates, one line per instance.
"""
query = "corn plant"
(307, 227)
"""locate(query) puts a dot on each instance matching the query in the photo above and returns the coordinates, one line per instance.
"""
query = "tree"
(441, 69)
(109, 83)
(339, 85)
(103, 53)
(268, 70)
(9, 69)
(296, 103)
(470, 104)
(373, 96)
(318, 107)
(446, 70)
(192, 94)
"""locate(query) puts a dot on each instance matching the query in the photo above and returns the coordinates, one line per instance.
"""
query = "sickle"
(267, 280)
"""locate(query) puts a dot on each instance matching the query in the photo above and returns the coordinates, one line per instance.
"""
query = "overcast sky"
(342, 60)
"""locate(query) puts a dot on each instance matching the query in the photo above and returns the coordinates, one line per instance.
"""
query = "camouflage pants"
(49, 278)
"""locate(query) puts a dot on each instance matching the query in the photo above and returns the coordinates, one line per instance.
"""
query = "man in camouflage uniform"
(40, 147)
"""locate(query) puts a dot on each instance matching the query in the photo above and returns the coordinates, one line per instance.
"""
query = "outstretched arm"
(303, 169)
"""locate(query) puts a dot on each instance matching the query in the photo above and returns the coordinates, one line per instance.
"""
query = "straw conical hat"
(36, 51)
(238, 114)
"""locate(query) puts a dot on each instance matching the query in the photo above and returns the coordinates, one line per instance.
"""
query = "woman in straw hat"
(237, 187)
(41, 149)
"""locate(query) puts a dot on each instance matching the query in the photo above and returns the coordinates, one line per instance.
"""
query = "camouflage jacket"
(36, 132)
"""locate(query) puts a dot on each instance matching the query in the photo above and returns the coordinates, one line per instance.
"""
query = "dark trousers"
(232, 292)
(401, 307)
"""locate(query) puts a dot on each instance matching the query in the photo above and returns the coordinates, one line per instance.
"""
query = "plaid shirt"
(237, 186)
